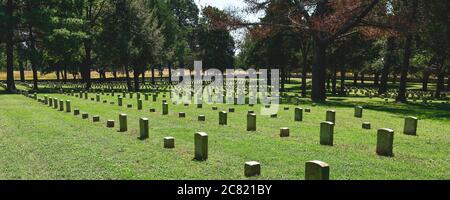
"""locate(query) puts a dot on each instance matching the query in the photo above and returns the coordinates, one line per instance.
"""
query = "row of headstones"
(314, 170)
(385, 136)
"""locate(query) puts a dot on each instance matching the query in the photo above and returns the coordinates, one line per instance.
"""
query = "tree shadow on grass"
(436, 111)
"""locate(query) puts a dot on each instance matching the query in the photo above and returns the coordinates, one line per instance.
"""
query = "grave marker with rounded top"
(55, 103)
(110, 123)
(385, 142)
(331, 116)
(139, 104)
(223, 118)
(326, 133)
(165, 108)
(251, 122)
(201, 146)
(298, 115)
(61, 105)
(358, 111)
(169, 142)
(410, 126)
(68, 107)
(123, 123)
(144, 128)
(252, 168)
(317, 170)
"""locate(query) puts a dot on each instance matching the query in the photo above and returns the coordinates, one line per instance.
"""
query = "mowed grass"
(39, 142)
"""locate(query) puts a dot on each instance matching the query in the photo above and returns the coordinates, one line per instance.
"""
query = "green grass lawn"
(39, 142)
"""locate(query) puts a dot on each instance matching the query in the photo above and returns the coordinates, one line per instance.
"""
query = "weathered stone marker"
(358, 111)
(165, 108)
(214, 108)
(251, 122)
(68, 107)
(110, 123)
(139, 104)
(55, 103)
(284, 132)
(231, 110)
(97, 97)
(223, 118)
(76, 112)
(326, 133)
(317, 170)
(144, 128)
(169, 142)
(152, 110)
(273, 115)
(385, 142)
(200, 105)
(50, 102)
(129, 105)
(119, 100)
(298, 115)
(182, 115)
(123, 123)
(410, 127)
(85, 115)
(201, 118)
(96, 118)
(366, 125)
(331, 116)
(307, 110)
(201, 146)
(252, 168)
(61, 105)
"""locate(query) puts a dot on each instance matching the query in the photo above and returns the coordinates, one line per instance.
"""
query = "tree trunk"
(376, 81)
(388, 61)
(342, 91)
(86, 70)
(283, 77)
(143, 75)
(22, 71)
(127, 74)
(10, 85)
(401, 96)
(57, 75)
(440, 84)
(334, 82)
(425, 79)
(136, 79)
(153, 74)
(170, 73)
(355, 79)
(318, 73)
(65, 74)
(33, 58)
(304, 76)
(362, 77)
